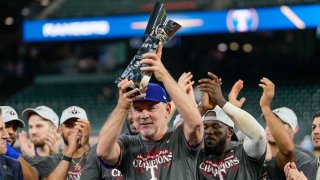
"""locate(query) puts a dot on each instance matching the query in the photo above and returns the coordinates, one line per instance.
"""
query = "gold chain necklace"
(77, 166)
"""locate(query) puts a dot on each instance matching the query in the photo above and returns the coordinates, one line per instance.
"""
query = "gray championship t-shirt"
(33, 161)
(272, 172)
(93, 169)
(47, 165)
(169, 158)
(235, 164)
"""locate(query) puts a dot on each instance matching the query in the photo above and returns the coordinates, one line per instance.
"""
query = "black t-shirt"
(10, 169)
(310, 168)
(169, 158)
(235, 164)
(93, 169)
(272, 172)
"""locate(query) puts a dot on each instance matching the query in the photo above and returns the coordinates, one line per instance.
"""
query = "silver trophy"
(159, 28)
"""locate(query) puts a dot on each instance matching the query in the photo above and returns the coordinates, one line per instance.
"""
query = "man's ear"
(230, 132)
(168, 108)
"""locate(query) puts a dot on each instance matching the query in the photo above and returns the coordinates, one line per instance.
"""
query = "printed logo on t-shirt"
(75, 172)
(115, 173)
(218, 168)
(152, 162)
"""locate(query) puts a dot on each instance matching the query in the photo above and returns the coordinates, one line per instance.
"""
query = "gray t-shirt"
(310, 168)
(93, 169)
(47, 165)
(169, 158)
(272, 171)
(33, 161)
(235, 164)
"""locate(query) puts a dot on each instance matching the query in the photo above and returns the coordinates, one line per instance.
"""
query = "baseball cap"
(221, 116)
(43, 111)
(9, 114)
(288, 116)
(73, 112)
(155, 93)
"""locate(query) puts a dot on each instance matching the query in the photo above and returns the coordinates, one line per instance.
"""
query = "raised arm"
(255, 144)
(193, 126)
(108, 148)
(61, 170)
(280, 134)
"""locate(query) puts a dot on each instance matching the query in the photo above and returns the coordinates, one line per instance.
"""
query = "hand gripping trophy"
(159, 28)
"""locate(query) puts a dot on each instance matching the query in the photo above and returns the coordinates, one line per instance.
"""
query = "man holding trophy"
(156, 153)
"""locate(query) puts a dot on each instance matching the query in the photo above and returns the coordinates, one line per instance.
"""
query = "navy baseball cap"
(155, 93)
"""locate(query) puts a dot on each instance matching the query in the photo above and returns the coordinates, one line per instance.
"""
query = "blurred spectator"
(306, 143)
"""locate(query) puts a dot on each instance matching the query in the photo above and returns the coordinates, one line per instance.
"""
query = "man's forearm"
(28, 171)
(61, 171)
(187, 109)
(280, 135)
(256, 141)
(108, 148)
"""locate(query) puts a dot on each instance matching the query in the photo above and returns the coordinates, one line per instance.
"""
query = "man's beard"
(218, 148)
(316, 148)
(65, 140)
(38, 142)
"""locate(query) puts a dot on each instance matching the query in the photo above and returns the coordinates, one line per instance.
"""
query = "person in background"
(94, 170)
(69, 164)
(12, 165)
(281, 126)
(9, 167)
(220, 158)
(12, 122)
(44, 137)
(308, 169)
(316, 134)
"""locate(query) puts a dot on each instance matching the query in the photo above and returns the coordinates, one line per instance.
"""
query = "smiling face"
(11, 128)
(151, 119)
(316, 133)
(4, 136)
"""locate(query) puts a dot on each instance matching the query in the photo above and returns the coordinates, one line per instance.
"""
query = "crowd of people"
(213, 139)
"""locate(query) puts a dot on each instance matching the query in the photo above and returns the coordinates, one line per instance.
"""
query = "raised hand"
(292, 173)
(185, 82)
(233, 94)
(74, 142)
(268, 92)
(154, 66)
(53, 141)
(27, 148)
(212, 86)
(126, 98)
(84, 128)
